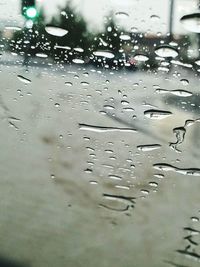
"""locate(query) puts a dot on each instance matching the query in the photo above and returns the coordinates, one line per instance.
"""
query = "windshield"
(100, 127)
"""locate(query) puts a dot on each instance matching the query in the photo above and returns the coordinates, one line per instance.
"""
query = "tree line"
(79, 42)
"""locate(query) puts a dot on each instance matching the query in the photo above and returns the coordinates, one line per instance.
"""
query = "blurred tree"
(78, 35)
(78, 43)
(108, 40)
(31, 40)
(111, 34)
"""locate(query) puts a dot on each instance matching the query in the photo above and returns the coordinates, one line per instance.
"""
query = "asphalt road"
(79, 187)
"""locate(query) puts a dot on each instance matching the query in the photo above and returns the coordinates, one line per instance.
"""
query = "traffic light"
(29, 10)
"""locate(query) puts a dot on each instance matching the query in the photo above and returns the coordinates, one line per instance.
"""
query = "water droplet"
(172, 43)
(42, 55)
(164, 69)
(109, 107)
(128, 109)
(57, 105)
(125, 200)
(23, 79)
(145, 104)
(120, 198)
(122, 187)
(166, 51)
(86, 74)
(79, 49)
(114, 177)
(180, 135)
(179, 63)
(78, 61)
(157, 114)
(144, 191)
(14, 28)
(90, 148)
(189, 123)
(155, 18)
(106, 54)
(68, 83)
(100, 129)
(168, 167)
(191, 22)
(52, 176)
(121, 15)
(103, 42)
(93, 182)
(109, 151)
(159, 175)
(134, 29)
(124, 102)
(107, 166)
(115, 209)
(148, 147)
(84, 83)
(56, 31)
(178, 92)
(195, 219)
(125, 37)
(197, 62)
(88, 170)
(164, 167)
(182, 93)
(184, 82)
(153, 184)
(188, 253)
(165, 64)
(141, 57)
(62, 47)
(109, 29)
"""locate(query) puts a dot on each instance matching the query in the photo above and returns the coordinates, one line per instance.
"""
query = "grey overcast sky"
(140, 12)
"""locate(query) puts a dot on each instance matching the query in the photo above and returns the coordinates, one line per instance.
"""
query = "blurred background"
(99, 133)
(91, 27)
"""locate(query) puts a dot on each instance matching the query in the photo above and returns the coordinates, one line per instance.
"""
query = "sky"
(145, 15)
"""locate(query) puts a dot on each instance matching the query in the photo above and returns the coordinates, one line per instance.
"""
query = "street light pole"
(171, 19)
(198, 34)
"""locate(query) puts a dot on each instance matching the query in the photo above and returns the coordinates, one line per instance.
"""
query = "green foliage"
(31, 41)
(74, 23)
(108, 40)
(77, 36)
(35, 40)
(111, 35)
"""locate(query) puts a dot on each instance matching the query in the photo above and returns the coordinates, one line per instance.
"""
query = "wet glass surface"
(100, 128)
